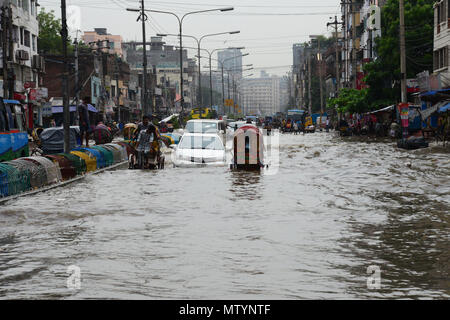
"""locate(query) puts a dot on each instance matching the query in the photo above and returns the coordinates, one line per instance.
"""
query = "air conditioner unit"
(42, 64)
(35, 62)
(22, 55)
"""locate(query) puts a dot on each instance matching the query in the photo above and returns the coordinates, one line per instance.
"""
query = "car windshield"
(201, 127)
(201, 142)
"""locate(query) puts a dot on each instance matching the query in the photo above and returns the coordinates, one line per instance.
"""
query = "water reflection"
(246, 185)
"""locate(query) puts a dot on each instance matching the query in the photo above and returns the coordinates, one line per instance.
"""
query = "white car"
(218, 127)
(196, 149)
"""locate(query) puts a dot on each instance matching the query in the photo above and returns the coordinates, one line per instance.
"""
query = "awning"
(445, 108)
(60, 109)
(390, 108)
(434, 92)
(11, 101)
(169, 118)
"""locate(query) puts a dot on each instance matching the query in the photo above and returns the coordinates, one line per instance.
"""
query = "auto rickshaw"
(248, 149)
(129, 130)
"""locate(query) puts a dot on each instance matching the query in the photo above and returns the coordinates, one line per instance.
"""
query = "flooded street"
(335, 207)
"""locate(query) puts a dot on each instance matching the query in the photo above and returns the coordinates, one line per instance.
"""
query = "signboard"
(404, 116)
(412, 85)
(42, 93)
(47, 110)
(32, 95)
(229, 102)
(29, 84)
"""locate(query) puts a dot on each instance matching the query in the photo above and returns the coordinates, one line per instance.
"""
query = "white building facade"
(441, 58)
(23, 30)
(261, 96)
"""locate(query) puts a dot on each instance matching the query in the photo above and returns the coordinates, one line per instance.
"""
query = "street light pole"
(199, 41)
(65, 86)
(180, 22)
(144, 61)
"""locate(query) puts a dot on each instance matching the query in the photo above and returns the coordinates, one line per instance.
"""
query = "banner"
(404, 116)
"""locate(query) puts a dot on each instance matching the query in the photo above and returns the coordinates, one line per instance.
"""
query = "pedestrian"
(295, 128)
(84, 120)
(53, 123)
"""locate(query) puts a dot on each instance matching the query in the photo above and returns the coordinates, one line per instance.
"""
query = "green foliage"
(50, 40)
(382, 73)
(351, 100)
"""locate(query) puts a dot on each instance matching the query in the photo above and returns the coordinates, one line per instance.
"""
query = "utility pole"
(210, 83)
(223, 91)
(309, 85)
(228, 80)
(353, 12)
(5, 57)
(143, 18)
(319, 58)
(338, 81)
(117, 90)
(11, 75)
(65, 85)
(403, 52)
(77, 85)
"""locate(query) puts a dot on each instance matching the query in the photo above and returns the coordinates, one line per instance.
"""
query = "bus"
(203, 113)
(296, 115)
(13, 134)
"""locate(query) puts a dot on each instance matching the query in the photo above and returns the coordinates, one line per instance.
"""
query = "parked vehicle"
(52, 139)
(197, 149)
(13, 134)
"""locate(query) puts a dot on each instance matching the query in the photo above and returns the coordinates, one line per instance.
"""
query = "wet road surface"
(335, 207)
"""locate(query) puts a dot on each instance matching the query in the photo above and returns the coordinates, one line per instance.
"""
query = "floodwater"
(335, 207)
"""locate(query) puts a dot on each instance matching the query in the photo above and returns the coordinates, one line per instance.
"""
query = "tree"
(350, 100)
(50, 40)
(383, 75)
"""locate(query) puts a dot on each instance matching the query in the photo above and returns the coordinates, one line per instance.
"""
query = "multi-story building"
(361, 25)
(261, 95)
(163, 61)
(21, 65)
(441, 58)
(101, 34)
(232, 60)
(298, 51)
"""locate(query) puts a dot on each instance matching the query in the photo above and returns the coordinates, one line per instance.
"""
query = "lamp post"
(199, 40)
(180, 23)
(228, 78)
(223, 84)
(210, 67)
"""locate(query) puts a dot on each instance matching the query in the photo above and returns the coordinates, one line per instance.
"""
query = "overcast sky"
(268, 28)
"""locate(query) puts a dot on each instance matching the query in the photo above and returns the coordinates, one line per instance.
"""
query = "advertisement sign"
(32, 95)
(42, 93)
(404, 117)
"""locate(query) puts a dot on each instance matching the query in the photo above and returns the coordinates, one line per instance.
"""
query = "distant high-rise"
(232, 61)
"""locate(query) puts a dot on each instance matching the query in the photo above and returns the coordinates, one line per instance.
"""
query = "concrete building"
(232, 60)
(163, 61)
(361, 25)
(22, 69)
(262, 96)
(441, 57)
(23, 57)
(101, 34)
